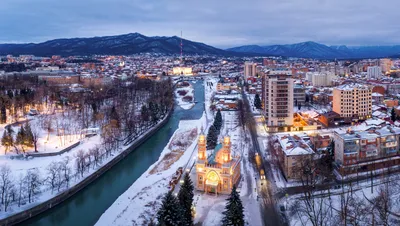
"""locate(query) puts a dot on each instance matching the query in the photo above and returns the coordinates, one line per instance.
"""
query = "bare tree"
(35, 137)
(32, 183)
(6, 182)
(21, 189)
(66, 170)
(80, 162)
(313, 208)
(52, 175)
(95, 153)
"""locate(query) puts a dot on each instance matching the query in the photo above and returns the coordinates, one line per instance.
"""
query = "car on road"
(262, 174)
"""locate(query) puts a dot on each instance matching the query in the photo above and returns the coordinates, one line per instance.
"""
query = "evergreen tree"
(257, 101)
(20, 139)
(185, 197)
(7, 140)
(212, 137)
(169, 213)
(233, 214)
(218, 121)
(393, 115)
(28, 135)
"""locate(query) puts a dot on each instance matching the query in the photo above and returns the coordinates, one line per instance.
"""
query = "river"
(86, 207)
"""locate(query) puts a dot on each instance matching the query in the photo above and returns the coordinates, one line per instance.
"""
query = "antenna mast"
(181, 48)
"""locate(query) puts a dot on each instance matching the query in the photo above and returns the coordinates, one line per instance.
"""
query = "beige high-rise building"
(386, 64)
(353, 101)
(250, 69)
(278, 100)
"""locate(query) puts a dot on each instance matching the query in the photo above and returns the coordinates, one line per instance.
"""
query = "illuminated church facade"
(219, 172)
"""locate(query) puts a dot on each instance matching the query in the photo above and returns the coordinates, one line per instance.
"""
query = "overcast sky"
(222, 23)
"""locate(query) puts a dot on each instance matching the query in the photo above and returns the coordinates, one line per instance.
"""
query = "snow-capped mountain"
(113, 45)
(320, 51)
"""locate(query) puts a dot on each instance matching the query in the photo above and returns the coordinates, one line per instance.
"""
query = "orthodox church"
(218, 172)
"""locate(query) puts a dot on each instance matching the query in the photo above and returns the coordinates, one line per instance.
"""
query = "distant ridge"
(320, 51)
(126, 44)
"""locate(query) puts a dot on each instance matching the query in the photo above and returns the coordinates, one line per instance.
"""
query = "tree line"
(178, 211)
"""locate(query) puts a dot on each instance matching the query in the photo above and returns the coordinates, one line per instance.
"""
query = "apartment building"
(277, 99)
(250, 69)
(374, 72)
(386, 64)
(320, 79)
(353, 101)
(299, 95)
(293, 152)
(363, 151)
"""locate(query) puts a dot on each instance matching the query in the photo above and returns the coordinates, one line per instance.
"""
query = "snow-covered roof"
(350, 87)
(294, 145)
(377, 95)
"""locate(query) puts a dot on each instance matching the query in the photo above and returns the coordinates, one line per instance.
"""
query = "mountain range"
(134, 43)
(110, 45)
(320, 51)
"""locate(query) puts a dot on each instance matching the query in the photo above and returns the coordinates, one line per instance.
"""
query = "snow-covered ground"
(19, 166)
(210, 87)
(139, 204)
(356, 195)
(179, 98)
(53, 140)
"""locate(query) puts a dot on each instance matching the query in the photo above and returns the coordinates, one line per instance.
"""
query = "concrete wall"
(54, 153)
(25, 215)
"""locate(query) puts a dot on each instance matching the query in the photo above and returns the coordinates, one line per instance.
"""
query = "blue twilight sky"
(222, 23)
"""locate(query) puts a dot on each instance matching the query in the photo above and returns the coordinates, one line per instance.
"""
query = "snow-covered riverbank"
(139, 204)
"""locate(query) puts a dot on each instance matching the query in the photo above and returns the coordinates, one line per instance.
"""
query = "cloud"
(222, 23)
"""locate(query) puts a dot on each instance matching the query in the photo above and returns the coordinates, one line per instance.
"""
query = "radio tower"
(181, 49)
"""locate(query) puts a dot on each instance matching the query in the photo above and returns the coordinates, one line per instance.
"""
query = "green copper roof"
(211, 159)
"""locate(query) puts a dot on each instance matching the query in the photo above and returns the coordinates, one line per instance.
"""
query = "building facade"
(320, 78)
(293, 152)
(278, 101)
(250, 69)
(220, 171)
(299, 95)
(386, 64)
(374, 72)
(363, 151)
(353, 101)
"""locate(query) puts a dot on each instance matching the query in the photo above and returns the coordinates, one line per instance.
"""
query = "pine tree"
(233, 214)
(169, 213)
(28, 135)
(212, 137)
(218, 121)
(393, 115)
(257, 101)
(7, 140)
(20, 139)
(185, 197)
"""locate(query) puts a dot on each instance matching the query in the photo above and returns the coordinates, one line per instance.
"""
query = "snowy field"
(138, 205)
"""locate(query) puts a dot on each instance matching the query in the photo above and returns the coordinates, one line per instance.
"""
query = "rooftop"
(294, 145)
